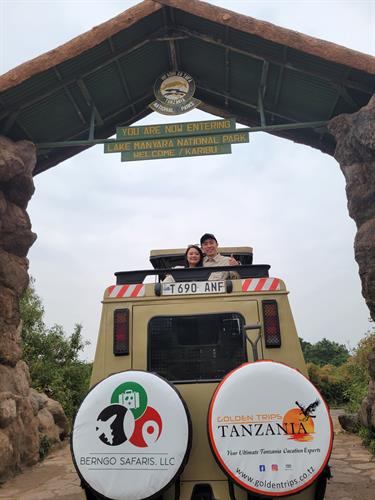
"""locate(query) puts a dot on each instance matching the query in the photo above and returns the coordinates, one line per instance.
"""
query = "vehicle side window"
(196, 348)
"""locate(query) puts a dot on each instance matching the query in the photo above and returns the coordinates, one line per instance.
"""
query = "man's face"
(210, 247)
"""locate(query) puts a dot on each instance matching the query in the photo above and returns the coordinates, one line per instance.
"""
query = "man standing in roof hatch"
(213, 258)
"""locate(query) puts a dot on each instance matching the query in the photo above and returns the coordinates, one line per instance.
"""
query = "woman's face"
(193, 257)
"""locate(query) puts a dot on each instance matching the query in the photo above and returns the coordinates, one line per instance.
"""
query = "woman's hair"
(200, 262)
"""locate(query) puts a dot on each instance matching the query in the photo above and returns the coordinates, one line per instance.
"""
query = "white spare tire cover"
(269, 428)
(131, 436)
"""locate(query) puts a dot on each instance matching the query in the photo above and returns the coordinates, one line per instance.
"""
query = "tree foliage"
(341, 376)
(356, 371)
(325, 352)
(53, 357)
(330, 383)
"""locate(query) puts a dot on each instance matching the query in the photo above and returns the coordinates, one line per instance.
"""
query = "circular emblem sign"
(174, 93)
(269, 428)
(131, 437)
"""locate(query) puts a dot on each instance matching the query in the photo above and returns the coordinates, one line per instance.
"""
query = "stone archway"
(22, 410)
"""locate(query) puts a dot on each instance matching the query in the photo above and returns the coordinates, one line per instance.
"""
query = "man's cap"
(208, 236)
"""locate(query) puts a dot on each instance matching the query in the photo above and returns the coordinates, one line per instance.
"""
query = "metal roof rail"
(191, 274)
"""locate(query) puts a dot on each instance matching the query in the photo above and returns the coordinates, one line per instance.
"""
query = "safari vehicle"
(193, 333)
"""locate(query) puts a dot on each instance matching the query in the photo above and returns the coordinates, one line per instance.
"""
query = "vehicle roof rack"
(191, 274)
(171, 257)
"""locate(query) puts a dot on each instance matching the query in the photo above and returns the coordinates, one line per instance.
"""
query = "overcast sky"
(95, 215)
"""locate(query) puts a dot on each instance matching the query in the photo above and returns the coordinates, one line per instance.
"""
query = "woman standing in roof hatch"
(193, 258)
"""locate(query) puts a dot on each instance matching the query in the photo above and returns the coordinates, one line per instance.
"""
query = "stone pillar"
(19, 440)
(367, 411)
(355, 151)
(22, 410)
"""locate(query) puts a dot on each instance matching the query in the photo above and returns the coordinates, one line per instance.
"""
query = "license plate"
(193, 287)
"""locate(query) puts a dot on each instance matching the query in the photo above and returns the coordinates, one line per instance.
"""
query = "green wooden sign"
(162, 154)
(175, 129)
(176, 142)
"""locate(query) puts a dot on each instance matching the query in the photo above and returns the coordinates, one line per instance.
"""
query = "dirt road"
(55, 478)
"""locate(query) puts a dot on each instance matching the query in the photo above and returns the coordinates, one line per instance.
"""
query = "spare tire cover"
(131, 437)
(269, 428)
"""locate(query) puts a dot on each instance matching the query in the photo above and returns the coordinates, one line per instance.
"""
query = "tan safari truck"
(187, 336)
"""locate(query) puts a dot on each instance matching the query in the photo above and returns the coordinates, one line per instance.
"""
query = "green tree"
(306, 347)
(356, 371)
(53, 357)
(325, 352)
(341, 377)
(331, 383)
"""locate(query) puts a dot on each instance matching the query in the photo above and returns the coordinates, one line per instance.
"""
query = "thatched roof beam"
(348, 98)
(88, 142)
(261, 92)
(283, 36)
(266, 57)
(68, 81)
(227, 74)
(169, 22)
(105, 131)
(246, 104)
(89, 100)
(280, 79)
(123, 78)
(70, 97)
(79, 44)
(251, 120)
(11, 120)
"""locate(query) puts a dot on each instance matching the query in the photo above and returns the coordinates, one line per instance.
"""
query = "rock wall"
(25, 415)
(367, 411)
(355, 151)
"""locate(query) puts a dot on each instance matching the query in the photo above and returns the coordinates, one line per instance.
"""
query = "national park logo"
(174, 92)
(129, 418)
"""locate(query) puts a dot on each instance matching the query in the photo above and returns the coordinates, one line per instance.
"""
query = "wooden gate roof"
(250, 69)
